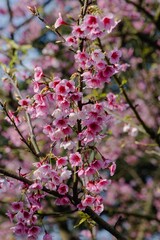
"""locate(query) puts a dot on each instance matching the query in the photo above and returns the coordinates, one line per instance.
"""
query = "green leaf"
(84, 218)
(124, 81)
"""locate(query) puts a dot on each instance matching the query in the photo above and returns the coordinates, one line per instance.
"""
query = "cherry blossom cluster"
(91, 28)
(72, 123)
(24, 212)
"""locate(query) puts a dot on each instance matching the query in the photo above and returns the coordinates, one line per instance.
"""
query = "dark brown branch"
(148, 217)
(10, 17)
(148, 130)
(19, 132)
(88, 210)
(104, 224)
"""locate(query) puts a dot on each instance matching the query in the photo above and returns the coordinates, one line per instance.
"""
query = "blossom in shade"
(17, 206)
(34, 231)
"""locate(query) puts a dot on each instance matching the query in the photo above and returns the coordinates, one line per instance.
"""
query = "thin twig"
(18, 131)
(147, 14)
(113, 210)
(32, 135)
(148, 130)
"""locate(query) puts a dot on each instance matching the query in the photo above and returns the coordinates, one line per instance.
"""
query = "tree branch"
(27, 181)
(148, 217)
(104, 224)
(88, 210)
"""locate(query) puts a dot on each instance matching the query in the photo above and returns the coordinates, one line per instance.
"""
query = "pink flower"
(94, 127)
(78, 32)
(36, 186)
(10, 215)
(38, 73)
(40, 99)
(75, 159)
(63, 189)
(91, 186)
(103, 184)
(3, 11)
(47, 236)
(20, 229)
(51, 186)
(61, 162)
(97, 164)
(97, 55)
(90, 20)
(108, 23)
(71, 41)
(55, 177)
(81, 207)
(62, 201)
(112, 169)
(13, 117)
(26, 215)
(47, 129)
(34, 231)
(24, 102)
(86, 234)
(36, 86)
(17, 206)
(114, 56)
(59, 22)
(65, 174)
(90, 171)
(108, 72)
(60, 123)
(98, 209)
(88, 201)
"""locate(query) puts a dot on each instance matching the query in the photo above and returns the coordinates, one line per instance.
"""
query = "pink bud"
(112, 169)
(59, 22)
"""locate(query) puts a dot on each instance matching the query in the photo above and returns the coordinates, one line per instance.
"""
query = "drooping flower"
(59, 22)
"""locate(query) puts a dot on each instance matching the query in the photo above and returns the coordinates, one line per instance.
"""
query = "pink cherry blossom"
(38, 73)
(61, 162)
(75, 159)
(103, 184)
(112, 169)
(63, 189)
(24, 102)
(88, 201)
(33, 231)
(109, 23)
(59, 22)
(47, 236)
(114, 56)
(17, 206)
